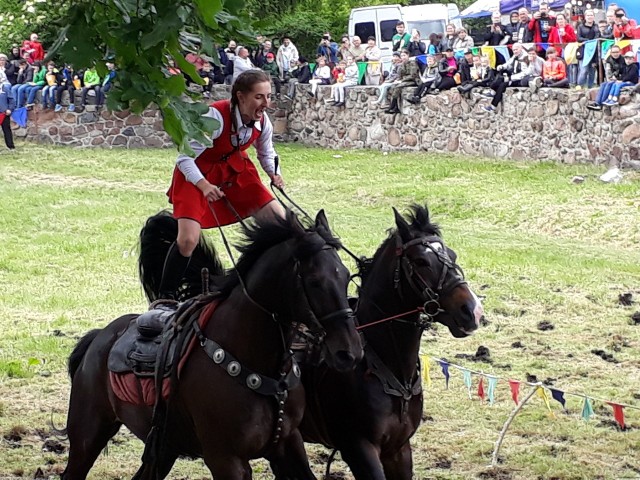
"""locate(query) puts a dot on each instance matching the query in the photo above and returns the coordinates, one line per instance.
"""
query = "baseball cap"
(395, 54)
(448, 49)
(630, 55)
(270, 55)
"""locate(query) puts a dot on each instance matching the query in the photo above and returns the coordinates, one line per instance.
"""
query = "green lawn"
(535, 245)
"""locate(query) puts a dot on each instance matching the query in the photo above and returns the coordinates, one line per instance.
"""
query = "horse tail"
(160, 231)
(75, 359)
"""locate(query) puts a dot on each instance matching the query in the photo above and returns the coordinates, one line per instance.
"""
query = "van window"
(388, 30)
(427, 27)
(365, 30)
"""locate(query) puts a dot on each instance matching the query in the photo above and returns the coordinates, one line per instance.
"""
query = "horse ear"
(321, 221)
(422, 216)
(296, 225)
(403, 226)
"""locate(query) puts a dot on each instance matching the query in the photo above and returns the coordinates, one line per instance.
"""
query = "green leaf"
(208, 10)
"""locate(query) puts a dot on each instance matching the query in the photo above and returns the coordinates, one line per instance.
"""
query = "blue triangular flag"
(19, 115)
(445, 371)
(558, 396)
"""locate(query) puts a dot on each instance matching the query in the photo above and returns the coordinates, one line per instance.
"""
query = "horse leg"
(363, 459)
(399, 465)
(290, 461)
(227, 467)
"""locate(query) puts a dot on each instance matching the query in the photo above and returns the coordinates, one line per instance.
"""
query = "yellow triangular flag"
(491, 53)
(426, 369)
(623, 43)
(542, 393)
(571, 53)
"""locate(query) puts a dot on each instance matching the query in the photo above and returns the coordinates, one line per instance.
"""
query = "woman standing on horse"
(223, 170)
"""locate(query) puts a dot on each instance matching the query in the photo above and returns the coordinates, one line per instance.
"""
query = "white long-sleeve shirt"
(263, 145)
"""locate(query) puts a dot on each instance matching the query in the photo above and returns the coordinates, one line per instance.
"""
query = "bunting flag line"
(589, 50)
(618, 413)
(514, 385)
(587, 409)
(559, 397)
(543, 395)
(491, 388)
(481, 388)
(466, 375)
(445, 371)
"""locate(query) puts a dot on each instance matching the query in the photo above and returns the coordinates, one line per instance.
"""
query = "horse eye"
(421, 262)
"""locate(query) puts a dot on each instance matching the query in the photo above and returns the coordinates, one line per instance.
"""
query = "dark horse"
(292, 272)
(370, 413)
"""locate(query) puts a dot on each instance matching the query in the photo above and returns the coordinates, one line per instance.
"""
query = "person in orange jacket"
(554, 72)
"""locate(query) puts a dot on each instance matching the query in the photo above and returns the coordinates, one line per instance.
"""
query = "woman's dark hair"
(246, 81)
(434, 38)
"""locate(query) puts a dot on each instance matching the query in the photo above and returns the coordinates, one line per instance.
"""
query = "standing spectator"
(23, 79)
(402, 38)
(449, 38)
(429, 80)
(624, 27)
(34, 48)
(345, 48)
(8, 69)
(271, 67)
(587, 30)
(287, 57)
(554, 72)
(524, 34)
(372, 55)
(416, 46)
(448, 69)
(328, 49)
(497, 33)
(603, 28)
(52, 78)
(107, 83)
(512, 28)
(6, 120)
(408, 76)
(70, 82)
(300, 73)
(321, 75)
(357, 50)
(611, 23)
(629, 78)
(561, 33)
(241, 63)
(435, 44)
(15, 55)
(36, 85)
(394, 74)
(463, 41)
(91, 81)
(265, 49)
(350, 79)
(540, 25)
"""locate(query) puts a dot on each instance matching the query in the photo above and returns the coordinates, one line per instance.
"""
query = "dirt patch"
(626, 299)
(443, 463)
(545, 325)
(53, 446)
(517, 345)
(635, 318)
(496, 473)
(481, 355)
(605, 356)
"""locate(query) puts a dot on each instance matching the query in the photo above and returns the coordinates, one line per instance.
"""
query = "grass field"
(536, 246)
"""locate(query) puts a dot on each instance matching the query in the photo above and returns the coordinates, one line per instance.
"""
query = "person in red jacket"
(540, 26)
(562, 33)
(224, 170)
(34, 47)
(624, 27)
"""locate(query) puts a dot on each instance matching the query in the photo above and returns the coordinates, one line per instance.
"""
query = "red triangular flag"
(481, 388)
(618, 413)
(515, 390)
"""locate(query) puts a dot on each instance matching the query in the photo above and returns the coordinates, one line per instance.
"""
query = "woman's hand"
(277, 181)
(211, 192)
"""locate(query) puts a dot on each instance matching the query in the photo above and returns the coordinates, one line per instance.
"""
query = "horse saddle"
(138, 348)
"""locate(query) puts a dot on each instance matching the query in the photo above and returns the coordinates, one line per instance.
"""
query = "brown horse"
(369, 414)
(291, 275)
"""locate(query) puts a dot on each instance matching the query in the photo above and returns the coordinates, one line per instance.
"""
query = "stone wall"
(552, 124)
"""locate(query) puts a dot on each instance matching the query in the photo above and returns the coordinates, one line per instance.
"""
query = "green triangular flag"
(466, 375)
(587, 409)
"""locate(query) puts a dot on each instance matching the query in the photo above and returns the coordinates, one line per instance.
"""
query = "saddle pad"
(141, 391)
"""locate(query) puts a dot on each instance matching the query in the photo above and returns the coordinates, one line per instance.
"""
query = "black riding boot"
(175, 266)
(393, 108)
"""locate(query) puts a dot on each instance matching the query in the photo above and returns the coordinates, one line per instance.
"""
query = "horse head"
(426, 270)
(303, 280)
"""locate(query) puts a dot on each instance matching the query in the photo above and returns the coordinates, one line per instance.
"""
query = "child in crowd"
(321, 75)
(38, 84)
(346, 79)
(429, 80)
(271, 67)
(392, 78)
(554, 72)
(70, 82)
(91, 81)
(52, 79)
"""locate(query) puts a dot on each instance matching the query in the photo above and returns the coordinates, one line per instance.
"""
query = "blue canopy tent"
(484, 8)
(631, 7)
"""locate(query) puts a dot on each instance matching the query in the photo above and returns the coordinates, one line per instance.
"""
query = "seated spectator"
(510, 74)
(393, 77)
(540, 26)
(554, 72)
(533, 71)
(614, 65)
(463, 41)
(34, 48)
(241, 63)
(52, 78)
(8, 69)
(349, 78)
(70, 82)
(321, 76)
(448, 69)
(286, 58)
(271, 67)
(357, 50)
(265, 48)
(408, 76)
(372, 55)
(435, 46)
(482, 75)
(449, 38)
(301, 73)
(36, 85)
(15, 55)
(497, 33)
(23, 80)
(5, 109)
(429, 80)
(91, 81)
(337, 72)
(107, 84)
(416, 46)
(464, 66)
(609, 92)
(328, 49)
(624, 27)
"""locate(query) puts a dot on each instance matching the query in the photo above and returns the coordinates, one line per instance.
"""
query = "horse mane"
(419, 223)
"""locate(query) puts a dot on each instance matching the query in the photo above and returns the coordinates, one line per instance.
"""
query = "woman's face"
(561, 22)
(450, 30)
(404, 56)
(462, 34)
(252, 104)
(371, 43)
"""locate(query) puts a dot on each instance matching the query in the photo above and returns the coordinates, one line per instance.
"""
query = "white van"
(380, 21)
